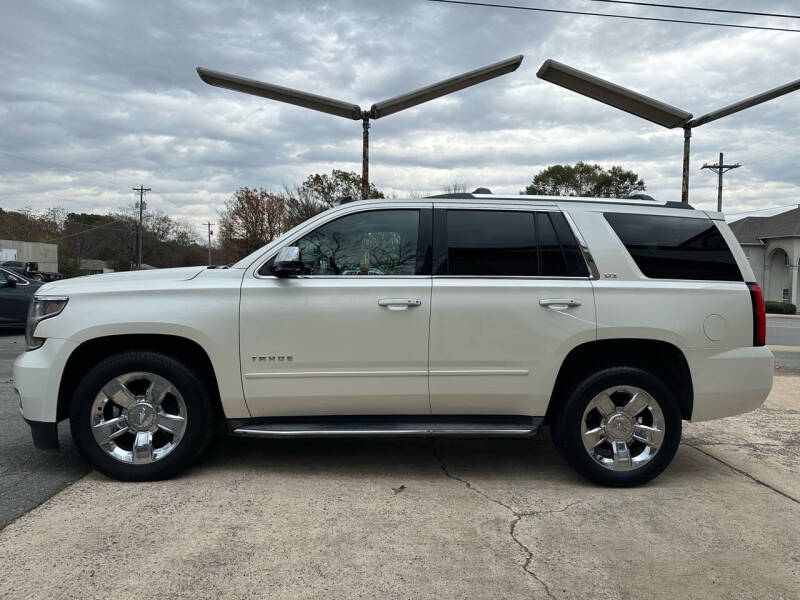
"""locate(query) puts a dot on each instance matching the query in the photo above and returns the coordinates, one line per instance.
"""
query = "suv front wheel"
(141, 415)
(620, 427)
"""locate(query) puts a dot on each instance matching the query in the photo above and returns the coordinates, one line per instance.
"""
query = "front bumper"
(731, 382)
(37, 377)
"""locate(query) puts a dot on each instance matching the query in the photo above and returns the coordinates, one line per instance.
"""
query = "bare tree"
(456, 187)
(250, 219)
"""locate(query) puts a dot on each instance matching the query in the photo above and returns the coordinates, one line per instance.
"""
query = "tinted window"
(381, 242)
(512, 243)
(676, 247)
(576, 265)
(484, 242)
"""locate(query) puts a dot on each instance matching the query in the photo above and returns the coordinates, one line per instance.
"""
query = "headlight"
(42, 307)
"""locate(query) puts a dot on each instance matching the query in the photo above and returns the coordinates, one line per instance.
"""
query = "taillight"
(759, 315)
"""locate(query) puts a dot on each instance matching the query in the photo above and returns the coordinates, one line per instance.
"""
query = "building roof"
(751, 230)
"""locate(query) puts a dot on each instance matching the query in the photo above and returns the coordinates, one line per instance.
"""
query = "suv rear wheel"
(141, 415)
(620, 426)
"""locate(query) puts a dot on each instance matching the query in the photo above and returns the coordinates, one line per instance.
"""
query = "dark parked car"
(16, 292)
(30, 270)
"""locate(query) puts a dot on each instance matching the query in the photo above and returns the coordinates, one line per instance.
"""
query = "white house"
(772, 245)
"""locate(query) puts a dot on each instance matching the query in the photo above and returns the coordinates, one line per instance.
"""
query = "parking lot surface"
(28, 477)
(417, 518)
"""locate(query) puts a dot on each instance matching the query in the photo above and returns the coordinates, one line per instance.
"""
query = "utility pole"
(141, 189)
(210, 233)
(719, 169)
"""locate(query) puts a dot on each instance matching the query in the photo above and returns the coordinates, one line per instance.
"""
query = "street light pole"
(365, 156)
(649, 108)
(687, 142)
(348, 110)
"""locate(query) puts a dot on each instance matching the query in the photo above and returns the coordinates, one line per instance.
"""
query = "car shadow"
(486, 459)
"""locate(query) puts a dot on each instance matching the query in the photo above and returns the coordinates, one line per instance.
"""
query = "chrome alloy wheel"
(138, 417)
(622, 428)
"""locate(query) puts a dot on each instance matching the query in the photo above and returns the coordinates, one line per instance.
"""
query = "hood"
(121, 280)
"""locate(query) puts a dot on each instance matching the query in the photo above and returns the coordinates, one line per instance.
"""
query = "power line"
(747, 212)
(702, 9)
(613, 16)
(63, 237)
(768, 156)
(48, 163)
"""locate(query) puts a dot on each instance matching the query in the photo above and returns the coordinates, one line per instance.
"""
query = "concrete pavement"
(476, 518)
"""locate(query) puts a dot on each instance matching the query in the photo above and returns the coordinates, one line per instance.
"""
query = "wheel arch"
(661, 358)
(92, 351)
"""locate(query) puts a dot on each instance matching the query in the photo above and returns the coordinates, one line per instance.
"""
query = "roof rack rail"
(635, 200)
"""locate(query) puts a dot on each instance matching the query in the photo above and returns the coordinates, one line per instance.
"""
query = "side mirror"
(11, 283)
(287, 263)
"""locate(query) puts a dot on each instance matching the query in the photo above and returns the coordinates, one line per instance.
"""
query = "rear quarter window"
(675, 247)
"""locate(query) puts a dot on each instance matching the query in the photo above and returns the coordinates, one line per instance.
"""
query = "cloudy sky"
(99, 96)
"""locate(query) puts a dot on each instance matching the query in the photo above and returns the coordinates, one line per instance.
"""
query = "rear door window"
(494, 243)
(676, 247)
(487, 242)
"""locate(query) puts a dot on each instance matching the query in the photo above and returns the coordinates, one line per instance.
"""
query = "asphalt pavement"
(783, 337)
(28, 476)
(783, 331)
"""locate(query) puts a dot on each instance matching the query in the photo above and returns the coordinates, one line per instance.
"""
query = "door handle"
(559, 303)
(399, 303)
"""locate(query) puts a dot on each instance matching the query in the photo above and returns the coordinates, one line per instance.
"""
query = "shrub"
(781, 308)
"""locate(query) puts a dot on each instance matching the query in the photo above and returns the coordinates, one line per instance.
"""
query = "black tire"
(566, 426)
(194, 390)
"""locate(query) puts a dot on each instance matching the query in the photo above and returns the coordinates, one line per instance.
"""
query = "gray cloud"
(99, 96)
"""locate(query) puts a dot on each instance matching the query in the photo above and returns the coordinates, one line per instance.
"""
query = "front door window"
(380, 242)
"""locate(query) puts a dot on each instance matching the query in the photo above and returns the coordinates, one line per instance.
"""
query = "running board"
(362, 427)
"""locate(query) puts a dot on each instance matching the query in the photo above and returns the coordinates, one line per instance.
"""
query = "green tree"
(323, 191)
(584, 179)
(330, 190)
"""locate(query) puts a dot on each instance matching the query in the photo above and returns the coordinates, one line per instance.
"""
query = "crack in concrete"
(745, 473)
(518, 516)
(749, 445)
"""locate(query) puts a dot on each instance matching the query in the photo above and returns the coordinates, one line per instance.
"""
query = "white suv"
(611, 321)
